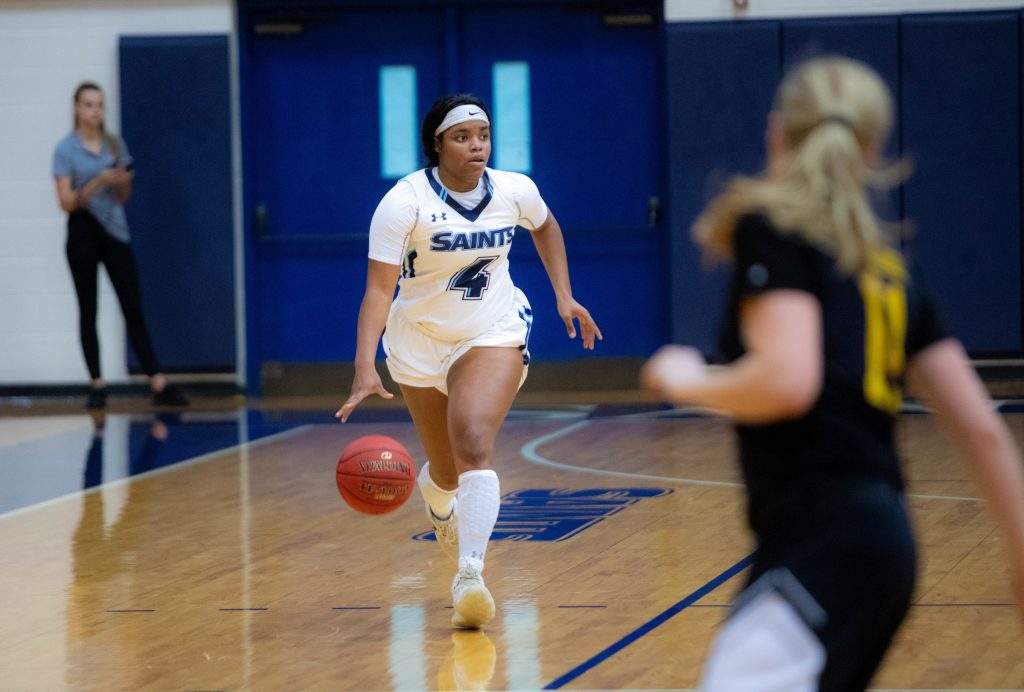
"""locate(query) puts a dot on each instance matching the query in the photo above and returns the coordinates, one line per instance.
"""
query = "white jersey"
(453, 248)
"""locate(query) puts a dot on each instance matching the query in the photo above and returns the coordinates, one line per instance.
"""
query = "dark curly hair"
(436, 115)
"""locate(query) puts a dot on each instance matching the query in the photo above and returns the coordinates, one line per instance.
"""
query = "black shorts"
(843, 562)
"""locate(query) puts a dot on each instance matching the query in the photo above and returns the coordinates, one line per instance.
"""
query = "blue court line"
(650, 624)
(582, 606)
(232, 610)
(356, 608)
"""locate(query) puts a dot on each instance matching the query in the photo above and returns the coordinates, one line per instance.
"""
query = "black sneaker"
(170, 396)
(97, 398)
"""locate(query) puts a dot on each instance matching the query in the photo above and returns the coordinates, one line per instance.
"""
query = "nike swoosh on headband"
(461, 114)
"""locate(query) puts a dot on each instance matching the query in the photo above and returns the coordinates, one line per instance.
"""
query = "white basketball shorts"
(419, 360)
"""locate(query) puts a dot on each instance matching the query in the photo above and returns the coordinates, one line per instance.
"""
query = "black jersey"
(872, 323)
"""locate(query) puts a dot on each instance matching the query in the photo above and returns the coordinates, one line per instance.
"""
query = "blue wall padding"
(961, 127)
(720, 82)
(874, 40)
(956, 81)
(176, 119)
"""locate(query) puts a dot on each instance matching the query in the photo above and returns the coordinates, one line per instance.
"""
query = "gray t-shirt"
(71, 159)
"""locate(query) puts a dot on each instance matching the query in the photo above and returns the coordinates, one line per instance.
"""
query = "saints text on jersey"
(448, 241)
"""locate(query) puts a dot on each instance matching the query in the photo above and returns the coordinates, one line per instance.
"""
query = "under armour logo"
(444, 217)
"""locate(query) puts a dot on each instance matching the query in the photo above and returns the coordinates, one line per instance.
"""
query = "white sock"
(438, 499)
(479, 500)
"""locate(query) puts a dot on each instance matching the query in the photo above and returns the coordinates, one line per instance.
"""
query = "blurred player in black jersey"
(824, 321)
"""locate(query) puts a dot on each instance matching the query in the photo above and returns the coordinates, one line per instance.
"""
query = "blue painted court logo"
(558, 514)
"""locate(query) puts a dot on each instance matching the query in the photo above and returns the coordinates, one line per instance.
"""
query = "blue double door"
(332, 105)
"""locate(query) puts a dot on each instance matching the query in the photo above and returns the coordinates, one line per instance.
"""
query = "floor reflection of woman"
(104, 558)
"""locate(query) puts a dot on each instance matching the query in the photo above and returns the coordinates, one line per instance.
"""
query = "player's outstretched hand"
(569, 310)
(366, 383)
(673, 370)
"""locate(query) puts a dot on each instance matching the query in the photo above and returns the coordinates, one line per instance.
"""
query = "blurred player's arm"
(381, 279)
(121, 181)
(70, 199)
(943, 378)
(778, 378)
(550, 244)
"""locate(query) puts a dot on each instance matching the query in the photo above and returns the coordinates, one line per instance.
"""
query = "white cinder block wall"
(46, 48)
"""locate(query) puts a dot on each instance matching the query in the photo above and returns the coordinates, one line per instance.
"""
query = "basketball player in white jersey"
(456, 336)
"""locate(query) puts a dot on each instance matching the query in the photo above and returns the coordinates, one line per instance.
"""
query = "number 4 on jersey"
(472, 280)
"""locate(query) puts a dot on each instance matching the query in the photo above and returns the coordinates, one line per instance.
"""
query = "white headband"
(461, 114)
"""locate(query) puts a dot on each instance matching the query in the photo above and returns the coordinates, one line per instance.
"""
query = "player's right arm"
(781, 372)
(381, 279)
(778, 378)
(390, 226)
(70, 199)
(943, 378)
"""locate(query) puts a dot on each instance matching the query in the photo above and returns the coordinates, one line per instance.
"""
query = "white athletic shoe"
(473, 603)
(446, 531)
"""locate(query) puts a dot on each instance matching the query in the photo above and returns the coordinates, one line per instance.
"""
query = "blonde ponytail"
(835, 114)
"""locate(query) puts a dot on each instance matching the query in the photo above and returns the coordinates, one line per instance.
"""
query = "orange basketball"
(375, 474)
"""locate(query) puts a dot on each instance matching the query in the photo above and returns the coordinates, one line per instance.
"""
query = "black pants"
(88, 246)
(852, 549)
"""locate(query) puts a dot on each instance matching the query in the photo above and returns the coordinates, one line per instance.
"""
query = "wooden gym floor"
(228, 561)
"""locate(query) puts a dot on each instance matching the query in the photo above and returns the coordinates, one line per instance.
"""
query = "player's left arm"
(943, 377)
(122, 182)
(550, 244)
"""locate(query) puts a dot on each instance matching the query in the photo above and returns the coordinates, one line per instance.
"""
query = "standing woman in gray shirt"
(93, 170)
